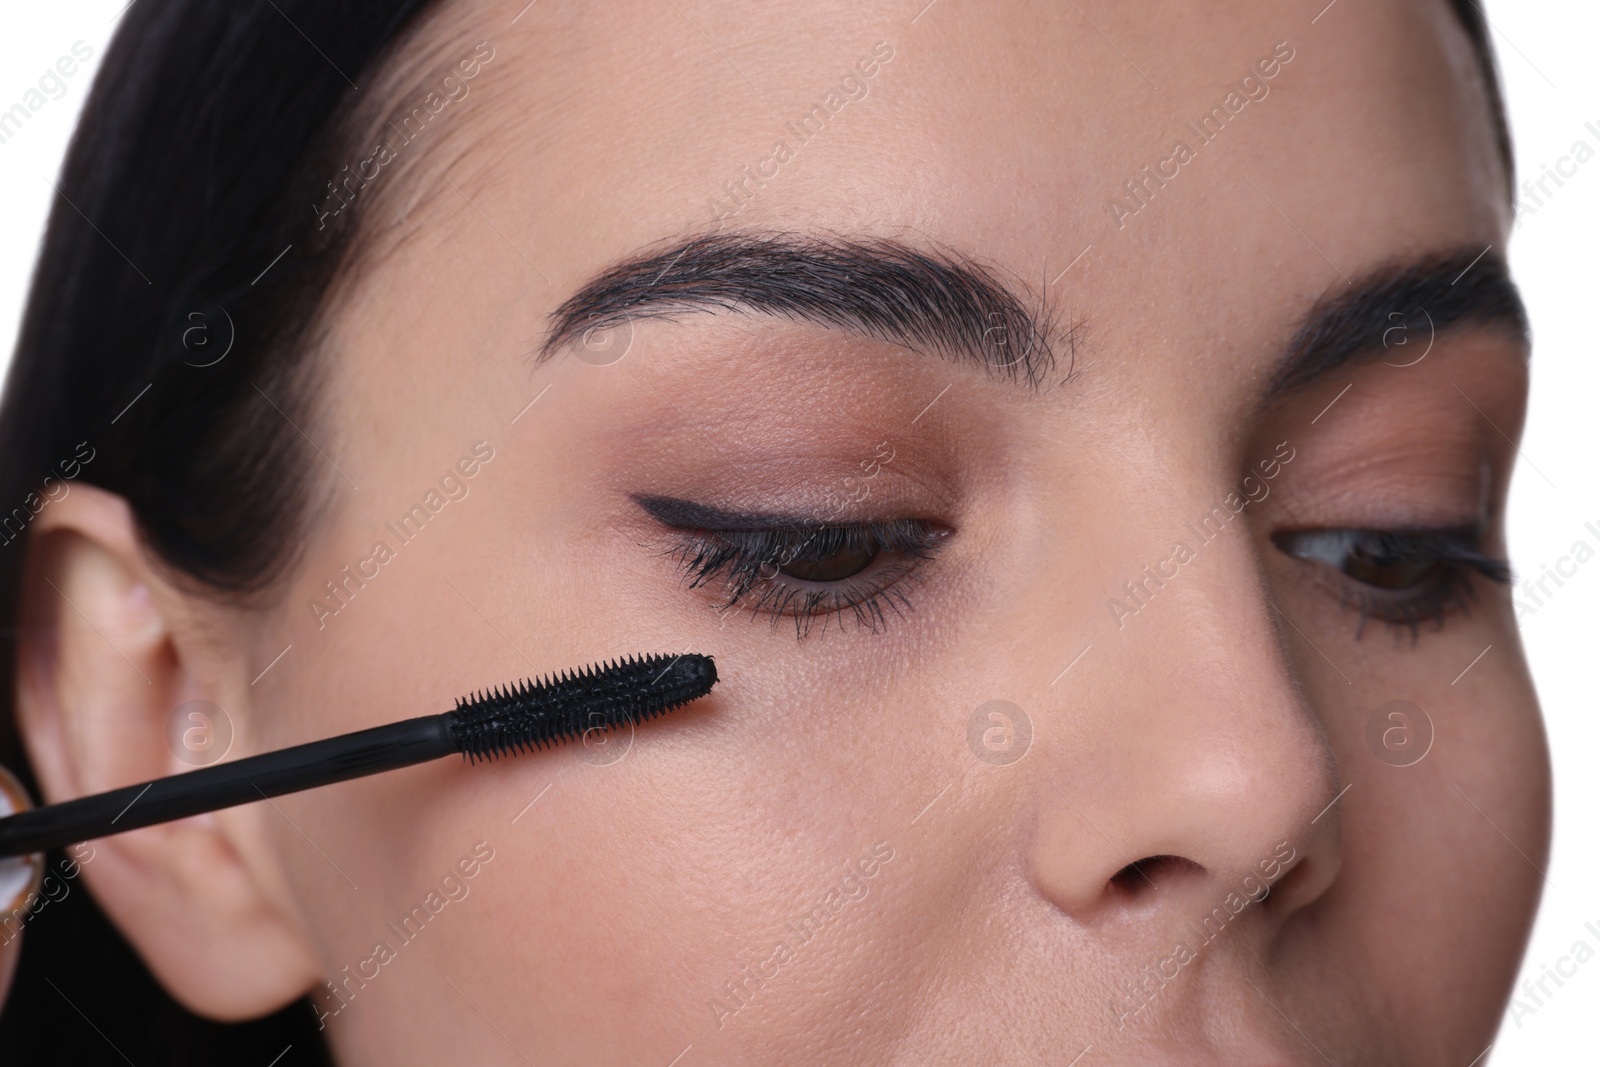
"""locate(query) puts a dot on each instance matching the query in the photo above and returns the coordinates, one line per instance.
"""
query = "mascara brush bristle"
(562, 707)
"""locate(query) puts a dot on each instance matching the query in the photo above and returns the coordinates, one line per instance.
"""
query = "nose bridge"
(1192, 738)
(1212, 685)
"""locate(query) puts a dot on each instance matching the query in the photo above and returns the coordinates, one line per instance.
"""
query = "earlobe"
(107, 648)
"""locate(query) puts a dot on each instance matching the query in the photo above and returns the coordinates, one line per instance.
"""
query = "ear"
(108, 648)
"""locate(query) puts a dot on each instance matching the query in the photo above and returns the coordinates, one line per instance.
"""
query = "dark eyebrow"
(931, 301)
(1395, 311)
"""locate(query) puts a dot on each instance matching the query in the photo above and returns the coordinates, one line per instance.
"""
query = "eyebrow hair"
(951, 305)
(935, 301)
(1396, 306)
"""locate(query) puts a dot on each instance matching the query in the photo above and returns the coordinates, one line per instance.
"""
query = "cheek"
(650, 879)
(1476, 799)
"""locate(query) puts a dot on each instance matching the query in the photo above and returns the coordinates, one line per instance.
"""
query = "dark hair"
(1476, 23)
(211, 131)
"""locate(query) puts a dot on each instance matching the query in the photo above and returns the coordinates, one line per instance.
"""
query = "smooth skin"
(1221, 726)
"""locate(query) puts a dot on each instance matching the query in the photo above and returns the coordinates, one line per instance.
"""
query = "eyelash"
(1444, 586)
(744, 558)
(1448, 558)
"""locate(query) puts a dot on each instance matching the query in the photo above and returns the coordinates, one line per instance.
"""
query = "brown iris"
(843, 562)
(1388, 570)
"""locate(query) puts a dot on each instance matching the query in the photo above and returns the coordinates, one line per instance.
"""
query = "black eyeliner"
(689, 515)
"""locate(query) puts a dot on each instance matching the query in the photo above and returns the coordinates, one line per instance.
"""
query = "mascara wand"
(505, 720)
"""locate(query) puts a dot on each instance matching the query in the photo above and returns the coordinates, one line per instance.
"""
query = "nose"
(1195, 772)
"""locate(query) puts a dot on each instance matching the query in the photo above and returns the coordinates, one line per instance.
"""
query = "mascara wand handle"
(224, 785)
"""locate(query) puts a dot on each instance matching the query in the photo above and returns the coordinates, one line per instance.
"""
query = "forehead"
(1171, 172)
(1017, 122)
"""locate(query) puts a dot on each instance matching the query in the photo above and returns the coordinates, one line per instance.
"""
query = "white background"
(1548, 63)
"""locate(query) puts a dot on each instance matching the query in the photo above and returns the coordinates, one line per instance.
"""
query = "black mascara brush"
(550, 712)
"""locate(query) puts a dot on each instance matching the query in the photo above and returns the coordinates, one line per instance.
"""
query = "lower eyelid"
(1452, 594)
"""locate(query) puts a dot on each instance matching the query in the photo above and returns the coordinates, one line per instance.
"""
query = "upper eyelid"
(689, 515)
(1460, 545)
(682, 514)
(1453, 537)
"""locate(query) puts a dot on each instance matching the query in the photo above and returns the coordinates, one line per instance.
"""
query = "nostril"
(1152, 872)
(1288, 884)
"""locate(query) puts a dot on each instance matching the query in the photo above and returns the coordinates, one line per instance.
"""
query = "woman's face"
(1013, 788)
